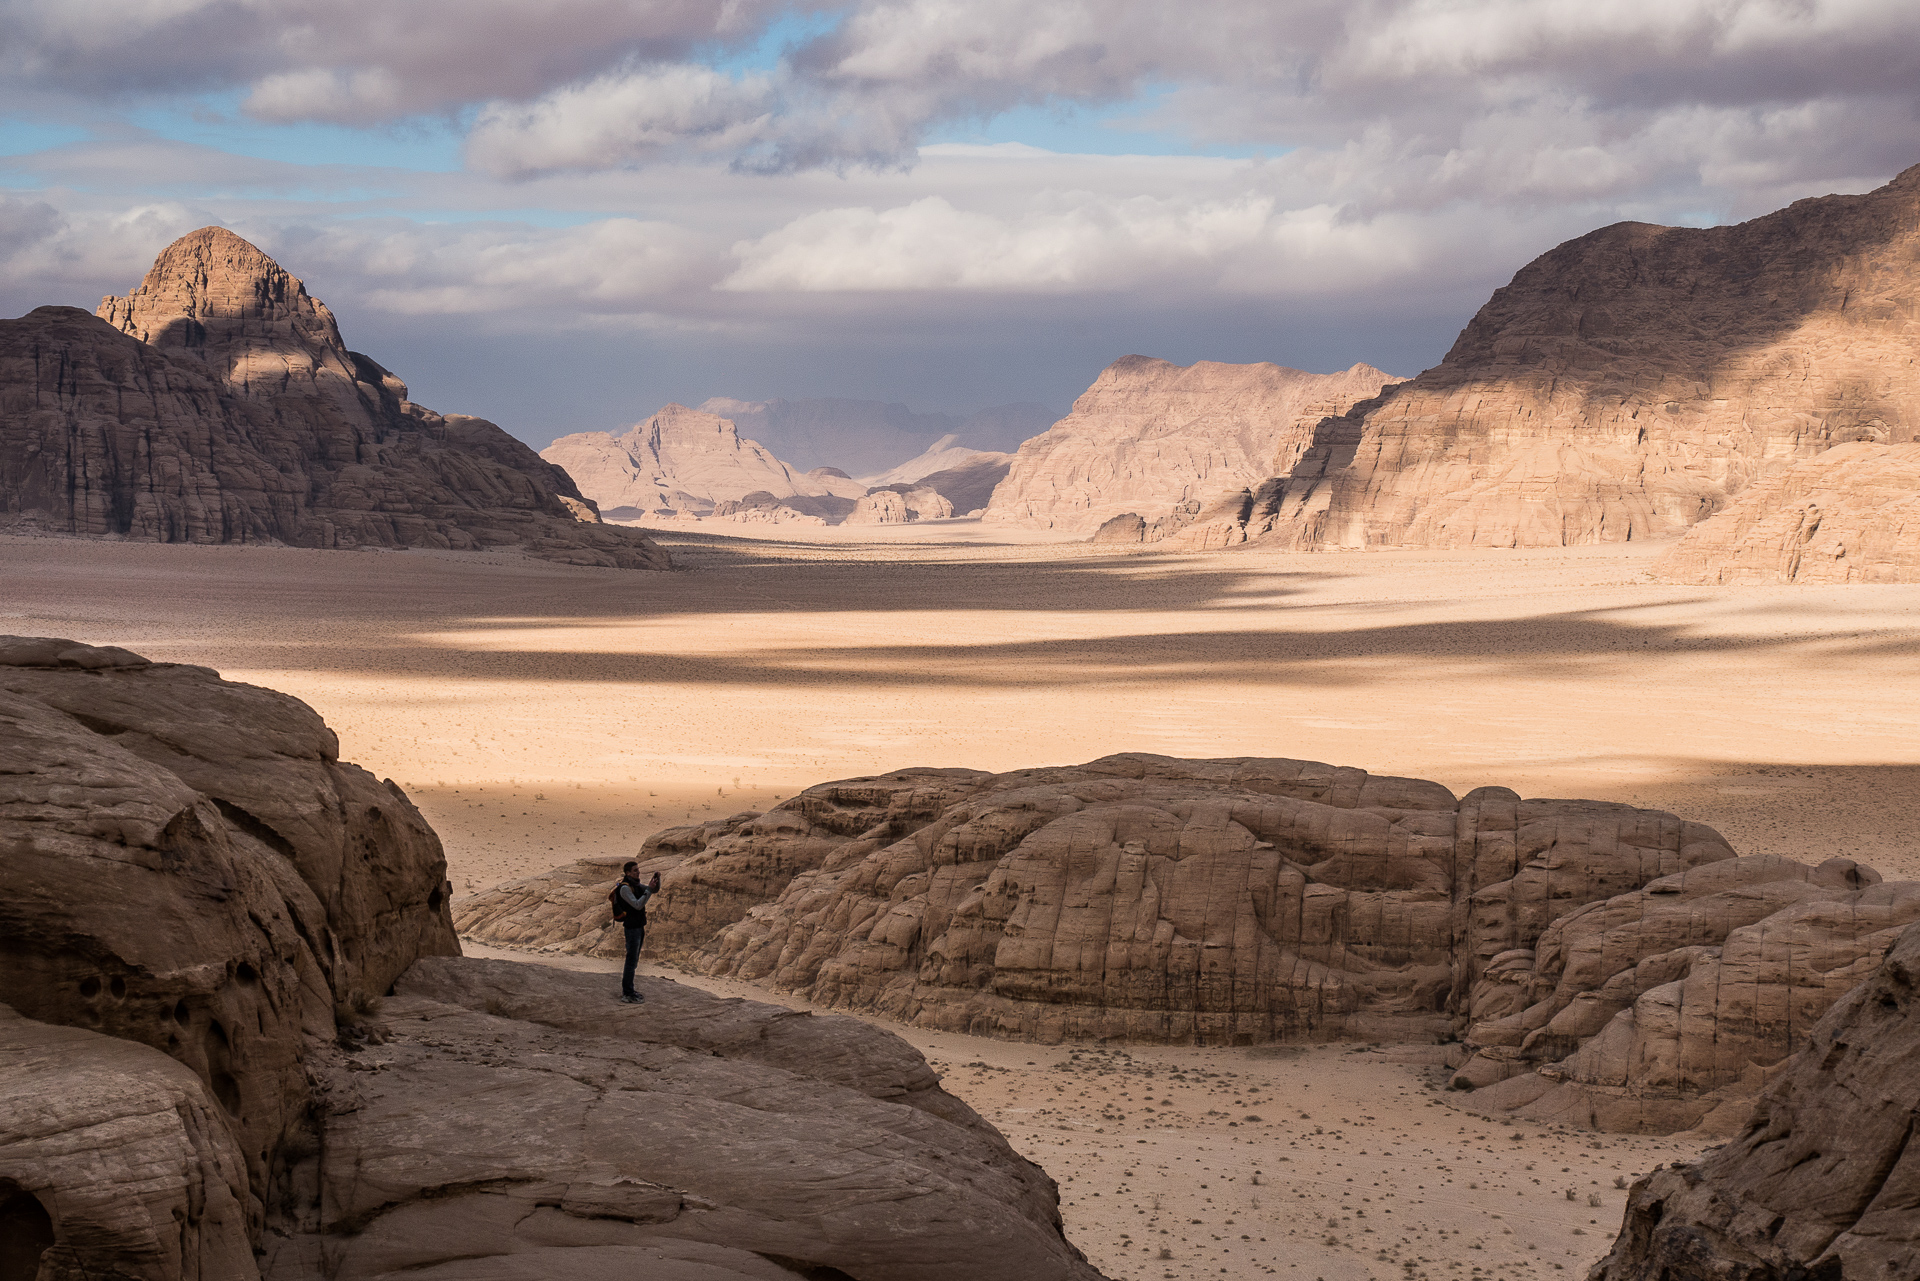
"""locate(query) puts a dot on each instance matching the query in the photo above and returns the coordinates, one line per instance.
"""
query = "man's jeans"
(636, 935)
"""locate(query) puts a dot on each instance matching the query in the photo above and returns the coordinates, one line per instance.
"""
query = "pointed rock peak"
(676, 420)
(218, 296)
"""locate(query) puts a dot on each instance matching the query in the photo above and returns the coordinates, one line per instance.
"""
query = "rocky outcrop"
(1824, 1181)
(123, 1149)
(1218, 902)
(1669, 1007)
(683, 461)
(248, 1033)
(898, 504)
(1849, 515)
(1629, 384)
(216, 403)
(192, 867)
(1178, 446)
(1606, 966)
(694, 1137)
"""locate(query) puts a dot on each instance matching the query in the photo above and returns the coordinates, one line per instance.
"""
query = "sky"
(562, 215)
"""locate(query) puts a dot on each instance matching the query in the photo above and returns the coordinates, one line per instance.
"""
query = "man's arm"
(634, 902)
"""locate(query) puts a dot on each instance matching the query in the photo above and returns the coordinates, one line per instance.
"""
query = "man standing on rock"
(630, 909)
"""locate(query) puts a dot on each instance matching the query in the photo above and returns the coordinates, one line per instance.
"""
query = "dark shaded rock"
(216, 403)
(1824, 1183)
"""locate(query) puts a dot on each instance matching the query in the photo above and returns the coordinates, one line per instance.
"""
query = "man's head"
(631, 870)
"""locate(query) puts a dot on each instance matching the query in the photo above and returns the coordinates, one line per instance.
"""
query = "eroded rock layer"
(1849, 515)
(1823, 1182)
(1629, 384)
(1172, 444)
(216, 403)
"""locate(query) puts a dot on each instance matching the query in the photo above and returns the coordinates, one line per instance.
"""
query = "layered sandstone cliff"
(1629, 384)
(242, 1044)
(1849, 515)
(216, 403)
(1606, 966)
(1170, 443)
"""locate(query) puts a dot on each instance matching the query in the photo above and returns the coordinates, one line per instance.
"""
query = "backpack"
(613, 902)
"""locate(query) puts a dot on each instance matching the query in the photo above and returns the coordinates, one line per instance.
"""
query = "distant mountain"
(684, 462)
(868, 437)
(216, 403)
(1170, 443)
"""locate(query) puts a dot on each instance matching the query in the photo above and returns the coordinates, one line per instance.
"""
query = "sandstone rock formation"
(1655, 1008)
(191, 866)
(247, 1034)
(1171, 444)
(1154, 899)
(1824, 1181)
(683, 460)
(897, 504)
(1629, 384)
(1849, 515)
(123, 1149)
(216, 403)
(518, 1121)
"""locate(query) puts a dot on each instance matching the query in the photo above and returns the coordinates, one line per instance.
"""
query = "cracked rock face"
(1631, 383)
(1669, 1007)
(191, 867)
(1849, 515)
(1175, 445)
(216, 403)
(1824, 1181)
(1143, 897)
(518, 1121)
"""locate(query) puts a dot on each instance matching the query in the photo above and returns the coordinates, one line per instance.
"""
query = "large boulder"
(1823, 1184)
(1218, 902)
(191, 866)
(1630, 383)
(216, 403)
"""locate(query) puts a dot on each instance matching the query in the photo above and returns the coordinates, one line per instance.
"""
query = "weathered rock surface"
(191, 866)
(898, 504)
(125, 1150)
(1223, 902)
(1629, 384)
(1849, 515)
(1824, 1181)
(683, 460)
(1654, 1009)
(248, 1031)
(1172, 444)
(516, 1122)
(216, 403)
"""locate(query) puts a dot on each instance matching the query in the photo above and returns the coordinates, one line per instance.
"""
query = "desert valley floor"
(538, 712)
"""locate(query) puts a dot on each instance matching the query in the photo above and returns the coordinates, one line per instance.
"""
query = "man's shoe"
(632, 999)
